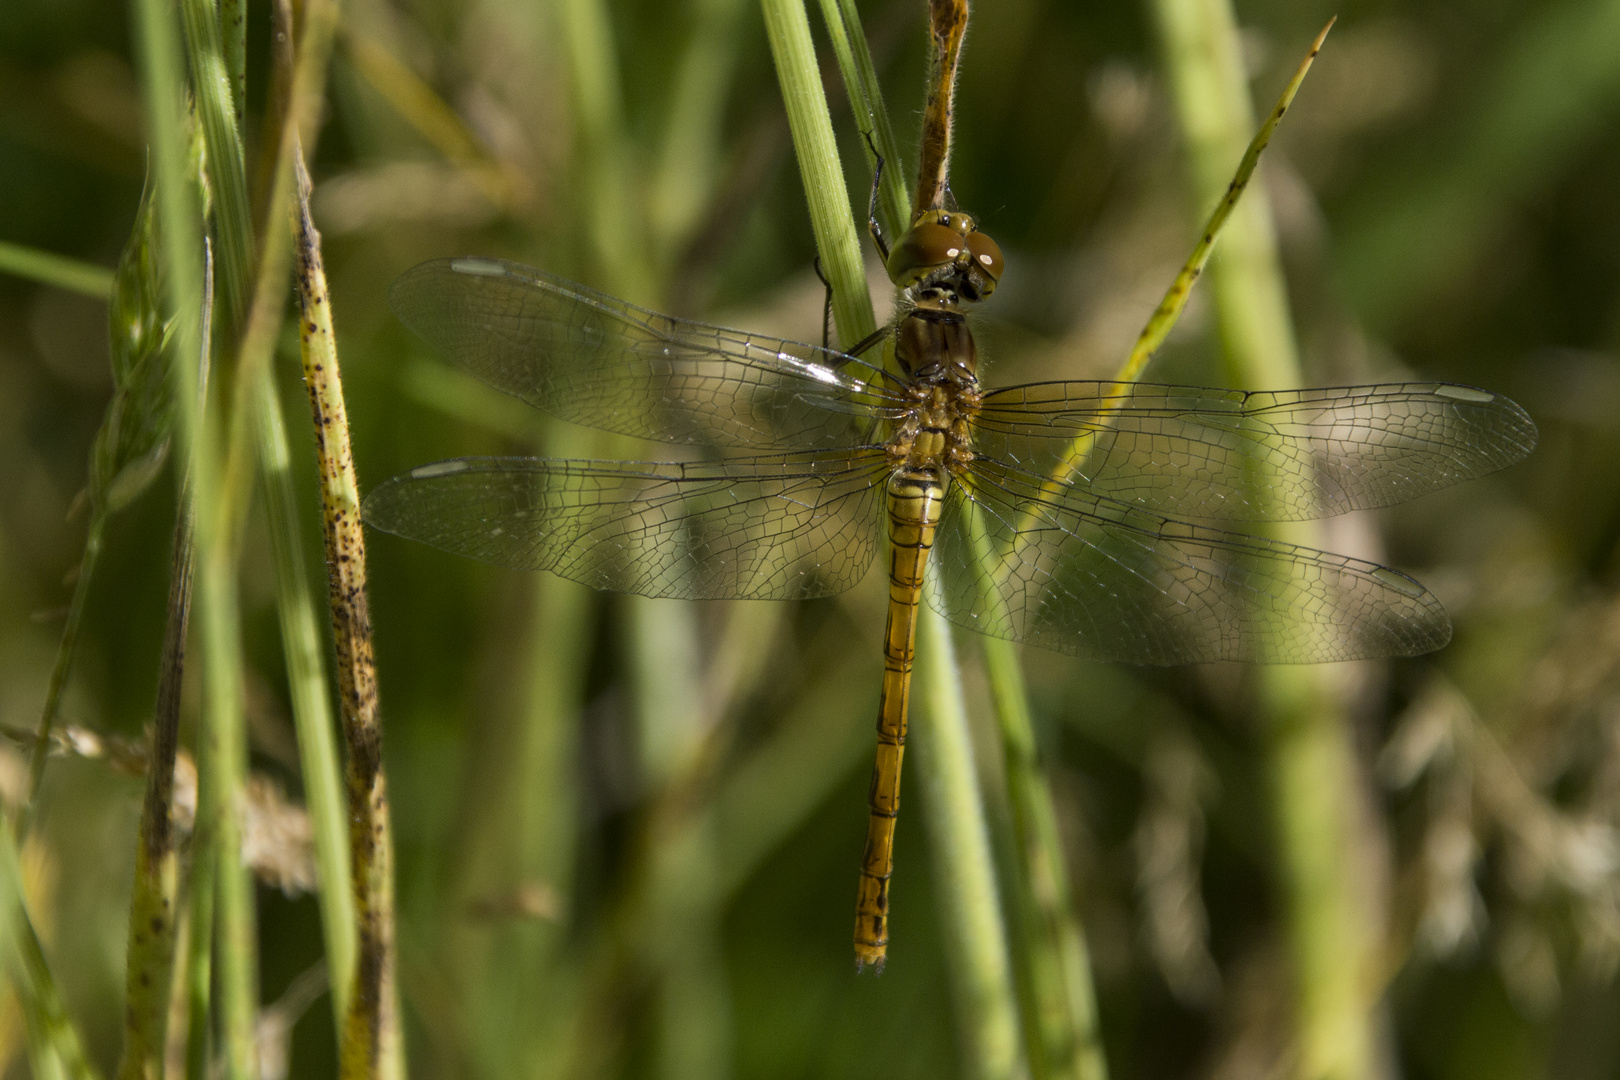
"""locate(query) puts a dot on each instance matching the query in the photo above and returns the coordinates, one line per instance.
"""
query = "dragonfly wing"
(586, 357)
(1257, 456)
(1104, 580)
(772, 527)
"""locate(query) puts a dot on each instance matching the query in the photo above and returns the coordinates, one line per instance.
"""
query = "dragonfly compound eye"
(926, 246)
(986, 255)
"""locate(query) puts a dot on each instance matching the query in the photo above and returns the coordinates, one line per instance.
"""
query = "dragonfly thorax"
(935, 349)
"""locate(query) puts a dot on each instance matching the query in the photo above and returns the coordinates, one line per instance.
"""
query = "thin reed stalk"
(1064, 999)
(221, 750)
(1308, 745)
(305, 649)
(373, 1044)
(303, 66)
(976, 935)
(222, 737)
(154, 904)
(947, 25)
(199, 957)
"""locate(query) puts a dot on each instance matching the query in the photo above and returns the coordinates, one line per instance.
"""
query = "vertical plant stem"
(220, 762)
(154, 906)
(153, 909)
(372, 1043)
(1065, 1001)
(305, 651)
(199, 960)
(233, 41)
(788, 29)
(305, 72)
(871, 116)
(976, 934)
(222, 749)
(217, 105)
(1310, 754)
(221, 781)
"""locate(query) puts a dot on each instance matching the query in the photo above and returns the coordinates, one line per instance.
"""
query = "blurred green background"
(627, 842)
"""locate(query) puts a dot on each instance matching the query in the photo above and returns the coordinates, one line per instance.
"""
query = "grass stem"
(154, 905)
(1065, 1001)
(372, 1043)
(788, 29)
(304, 647)
(1309, 749)
(964, 869)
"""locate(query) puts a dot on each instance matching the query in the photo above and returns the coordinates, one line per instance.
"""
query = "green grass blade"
(155, 905)
(304, 646)
(788, 29)
(1065, 1001)
(871, 116)
(221, 760)
(1209, 113)
(217, 106)
(84, 278)
(1310, 757)
(975, 930)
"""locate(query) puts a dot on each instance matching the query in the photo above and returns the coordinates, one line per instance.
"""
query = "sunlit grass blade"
(1065, 1001)
(217, 110)
(222, 757)
(1163, 319)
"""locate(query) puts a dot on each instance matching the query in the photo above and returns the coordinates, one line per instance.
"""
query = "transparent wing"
(1104, 580)
(1276, 455)
(769, 528)
(588, 358)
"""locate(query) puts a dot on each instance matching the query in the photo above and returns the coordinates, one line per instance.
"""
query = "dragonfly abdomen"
(916, 498)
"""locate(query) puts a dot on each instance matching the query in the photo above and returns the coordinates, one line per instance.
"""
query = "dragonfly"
(1088, 518)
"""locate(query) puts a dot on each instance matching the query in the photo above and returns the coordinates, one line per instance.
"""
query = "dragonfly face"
(944, 259)
(1083, 517)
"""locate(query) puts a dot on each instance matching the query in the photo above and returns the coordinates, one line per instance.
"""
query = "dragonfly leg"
(872, 224)
(826, 305)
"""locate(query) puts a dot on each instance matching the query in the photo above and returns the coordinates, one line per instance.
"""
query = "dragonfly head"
(944, 257)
